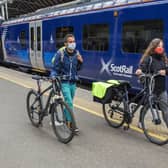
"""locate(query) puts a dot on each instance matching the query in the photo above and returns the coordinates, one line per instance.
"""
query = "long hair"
(150, 50)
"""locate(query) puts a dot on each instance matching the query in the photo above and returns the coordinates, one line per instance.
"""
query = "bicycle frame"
(55, 90)
(146, 96)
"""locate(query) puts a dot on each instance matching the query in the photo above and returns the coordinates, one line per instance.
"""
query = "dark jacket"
(153, 64)
(67, 65)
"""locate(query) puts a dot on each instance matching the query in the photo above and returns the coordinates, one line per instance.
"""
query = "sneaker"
(57, 123)
(69, 125)
(140, 125)
(76, 131)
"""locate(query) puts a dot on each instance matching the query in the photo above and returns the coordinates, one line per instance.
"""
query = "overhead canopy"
(16, 8)
(19, 7)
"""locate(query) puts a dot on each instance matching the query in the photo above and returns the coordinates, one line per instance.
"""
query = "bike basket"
(103, 92)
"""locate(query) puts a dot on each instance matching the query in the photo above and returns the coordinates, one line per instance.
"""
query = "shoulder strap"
(149, 64)
(62, 53)
(61, 50)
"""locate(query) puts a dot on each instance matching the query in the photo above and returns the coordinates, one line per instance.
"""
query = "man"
(67, 61)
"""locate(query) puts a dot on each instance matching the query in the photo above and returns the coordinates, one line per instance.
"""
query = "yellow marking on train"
(38, 70)
(85, 109)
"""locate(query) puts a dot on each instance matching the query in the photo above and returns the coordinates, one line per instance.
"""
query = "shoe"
(140, 125)
(57, 123)
(76, 131)
(69, 125)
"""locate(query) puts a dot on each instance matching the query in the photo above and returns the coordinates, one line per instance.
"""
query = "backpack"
(62, 49)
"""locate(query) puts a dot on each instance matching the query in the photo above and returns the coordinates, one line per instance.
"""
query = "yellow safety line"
(85, 109)
(88, 110)
(14, 81)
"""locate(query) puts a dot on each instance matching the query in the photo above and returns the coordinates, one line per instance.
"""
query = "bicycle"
(55, 105)
(121, 110)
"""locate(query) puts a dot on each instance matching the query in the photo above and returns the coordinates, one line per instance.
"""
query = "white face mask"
(71, 46)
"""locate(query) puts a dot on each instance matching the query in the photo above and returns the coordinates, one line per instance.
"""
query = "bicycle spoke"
(113, 114)
(33, 108)
(155, 130)
(63, 131)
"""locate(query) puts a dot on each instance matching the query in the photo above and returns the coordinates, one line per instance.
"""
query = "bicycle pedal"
(126, 127)
(41, 124)
(157, 121)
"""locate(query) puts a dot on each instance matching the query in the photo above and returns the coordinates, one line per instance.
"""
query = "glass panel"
(96, 37)
(32, 38)
(22, 38)
(61, 32)
(137, 35)
(39, 38)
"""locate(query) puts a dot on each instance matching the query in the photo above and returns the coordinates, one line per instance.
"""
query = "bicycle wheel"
(34, 107)
(154, 129)
(63, 129)
(114, 113)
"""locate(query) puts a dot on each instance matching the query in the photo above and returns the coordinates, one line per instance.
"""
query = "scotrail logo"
(117, 70)
(121, 69)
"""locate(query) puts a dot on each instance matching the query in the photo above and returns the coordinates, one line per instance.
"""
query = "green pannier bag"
(103, 92)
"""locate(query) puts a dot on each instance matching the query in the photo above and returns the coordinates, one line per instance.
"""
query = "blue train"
(111, 36)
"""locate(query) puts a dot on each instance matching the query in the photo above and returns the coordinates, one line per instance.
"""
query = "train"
(111, 36)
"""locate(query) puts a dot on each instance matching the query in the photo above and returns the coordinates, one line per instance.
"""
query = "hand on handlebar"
(162, 72)
(138, 72)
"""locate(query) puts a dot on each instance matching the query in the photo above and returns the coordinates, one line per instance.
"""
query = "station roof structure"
(20, 7)
(15, 8)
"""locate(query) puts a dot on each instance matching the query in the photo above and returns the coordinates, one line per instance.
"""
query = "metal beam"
(19, 7)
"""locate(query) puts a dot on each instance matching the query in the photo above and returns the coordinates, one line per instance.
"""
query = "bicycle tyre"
(34, 108)
(156, 132)
(63, 132)
(114, 113)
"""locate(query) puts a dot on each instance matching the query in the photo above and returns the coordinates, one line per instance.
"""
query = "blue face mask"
(71, 46)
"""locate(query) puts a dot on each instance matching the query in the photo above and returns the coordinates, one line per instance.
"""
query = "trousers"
(68, 91)
(163, 105)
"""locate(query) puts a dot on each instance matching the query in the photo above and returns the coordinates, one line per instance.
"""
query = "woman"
(154, 60)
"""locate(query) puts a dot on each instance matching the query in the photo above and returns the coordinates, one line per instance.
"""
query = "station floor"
(97, 145)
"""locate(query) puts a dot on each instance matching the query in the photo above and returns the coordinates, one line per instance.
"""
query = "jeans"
(68, 91)
(163, 105)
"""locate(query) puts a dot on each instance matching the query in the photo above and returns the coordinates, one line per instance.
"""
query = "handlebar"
(50, 78)
(148, 76)
(147, 79)
(55, 80)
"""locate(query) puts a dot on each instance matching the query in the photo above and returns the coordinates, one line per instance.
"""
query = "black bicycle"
(121, 110)
(55, 105)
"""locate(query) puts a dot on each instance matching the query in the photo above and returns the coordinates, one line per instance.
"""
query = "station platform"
(97, 145)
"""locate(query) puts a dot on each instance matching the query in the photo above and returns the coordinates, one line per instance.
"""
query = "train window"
(137, 35)
(22, 38)
(61, 33)
(96, 37)
(32, 38)
(38, 38)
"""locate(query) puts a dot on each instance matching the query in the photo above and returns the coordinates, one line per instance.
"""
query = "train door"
(35, 40)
